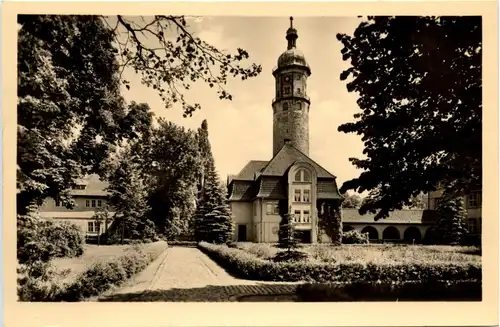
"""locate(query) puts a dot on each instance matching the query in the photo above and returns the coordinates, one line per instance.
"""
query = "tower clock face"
(287, 78)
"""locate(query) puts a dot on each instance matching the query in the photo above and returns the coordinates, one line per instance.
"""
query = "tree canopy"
(71, 114)
(419, 86)
(170, 57)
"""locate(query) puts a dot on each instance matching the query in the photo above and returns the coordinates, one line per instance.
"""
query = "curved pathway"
(187, 274)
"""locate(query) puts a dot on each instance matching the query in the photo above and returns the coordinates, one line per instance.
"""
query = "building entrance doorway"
(304, 236)
(242, 233)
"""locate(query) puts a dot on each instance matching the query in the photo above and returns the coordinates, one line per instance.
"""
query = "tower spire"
(291, 35)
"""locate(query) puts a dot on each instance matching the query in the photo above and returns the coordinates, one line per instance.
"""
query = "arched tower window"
(297, 176)
(306, 176)
(285, 105)
(302, 175)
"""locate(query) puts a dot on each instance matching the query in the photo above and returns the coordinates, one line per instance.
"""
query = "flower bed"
(52, 284)
(246, 265)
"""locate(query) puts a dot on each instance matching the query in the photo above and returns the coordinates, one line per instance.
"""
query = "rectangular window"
(58, 203)
(306, 196)
(99, 203)
(296, 217)
(307, 218)
(276, 209)
(91, 226)
(297, 195)
(473, 200)
(472, 226)
(269, 208)
(93, 203)
(87, 203)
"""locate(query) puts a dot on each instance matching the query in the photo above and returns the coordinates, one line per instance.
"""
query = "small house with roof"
(90, 195)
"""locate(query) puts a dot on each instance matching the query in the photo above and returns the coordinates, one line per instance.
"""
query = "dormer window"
(79, 187)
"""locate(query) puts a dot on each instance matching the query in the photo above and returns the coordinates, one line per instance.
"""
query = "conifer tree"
(451, 215)
(213, 221)
(286, 233)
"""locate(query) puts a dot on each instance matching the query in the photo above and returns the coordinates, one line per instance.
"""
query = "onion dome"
(292, 56)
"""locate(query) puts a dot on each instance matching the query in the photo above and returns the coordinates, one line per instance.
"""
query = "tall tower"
(291, 103)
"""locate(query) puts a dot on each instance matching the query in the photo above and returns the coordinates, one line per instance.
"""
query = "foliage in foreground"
(413, 73)
(469, 290)
(40, 240)
(46, 285)
(246, 265)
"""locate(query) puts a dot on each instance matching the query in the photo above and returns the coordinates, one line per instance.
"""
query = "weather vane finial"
(291, 22)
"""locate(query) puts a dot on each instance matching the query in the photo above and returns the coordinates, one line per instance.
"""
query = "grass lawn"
(374, 253)
(94, 253)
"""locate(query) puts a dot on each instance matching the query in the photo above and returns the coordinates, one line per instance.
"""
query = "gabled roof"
(395, 217)
(286, 157)
(251, 168)
(93, 186)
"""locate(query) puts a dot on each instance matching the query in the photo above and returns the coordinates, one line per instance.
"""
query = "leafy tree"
(170, 57)
(70, 112)
(451, 226)
(103, 217)
(351, 201)
(173, 164)
(419, 85)
(418, 201)
(330, 221)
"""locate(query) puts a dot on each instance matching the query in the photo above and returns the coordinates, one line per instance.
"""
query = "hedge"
(246, 265)
(99, 277)
(403, 291)
(182, 243)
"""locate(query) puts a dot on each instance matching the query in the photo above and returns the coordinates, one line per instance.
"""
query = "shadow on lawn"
(209, 293)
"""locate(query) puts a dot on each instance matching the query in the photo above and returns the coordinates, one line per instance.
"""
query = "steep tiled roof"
(286, 157)
(242, 190)
(272, 188)
(252, 167)
(327, 189)
(395, 217)
(93, 186)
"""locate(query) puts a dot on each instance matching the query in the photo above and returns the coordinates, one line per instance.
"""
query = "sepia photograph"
(231, 158)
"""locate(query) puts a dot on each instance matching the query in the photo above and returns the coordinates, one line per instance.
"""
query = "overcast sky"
(241, 130)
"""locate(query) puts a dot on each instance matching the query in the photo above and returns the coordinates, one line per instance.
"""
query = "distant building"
(473, 204)
(90, 195)
(291, 177)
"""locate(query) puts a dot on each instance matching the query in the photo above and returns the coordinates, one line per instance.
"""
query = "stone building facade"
(292, 181)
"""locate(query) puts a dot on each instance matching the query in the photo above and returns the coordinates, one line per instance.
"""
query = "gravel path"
(187, 274)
